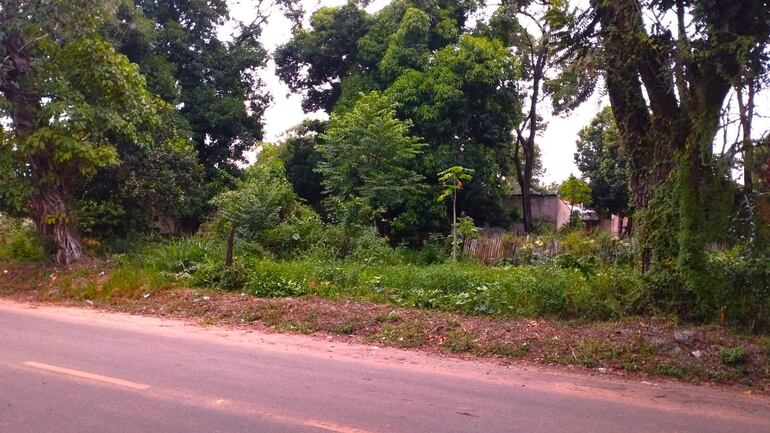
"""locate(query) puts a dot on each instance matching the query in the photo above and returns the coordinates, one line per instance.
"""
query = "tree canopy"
(70, 98)
(457, 89)
(365, 161)
(600, 159)
(219, 98)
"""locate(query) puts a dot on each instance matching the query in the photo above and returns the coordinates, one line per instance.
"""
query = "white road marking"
(86, 375)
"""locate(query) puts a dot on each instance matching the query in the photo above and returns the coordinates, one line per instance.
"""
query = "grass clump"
(460, 341)
(404, 335)
(734, 356)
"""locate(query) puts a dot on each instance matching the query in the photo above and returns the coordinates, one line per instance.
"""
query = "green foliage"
(300, 158)
(575, 191)
(542, 290)
(19, 241)
(365, 161)
(600, 159)
(738, 291)
(220, 102)
(734, 356)
(215, 275)
(458, 92)
(180, 257)
(453, 179)
(466, 228)
(261, 201)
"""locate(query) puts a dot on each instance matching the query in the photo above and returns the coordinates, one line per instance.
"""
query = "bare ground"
(644, 348)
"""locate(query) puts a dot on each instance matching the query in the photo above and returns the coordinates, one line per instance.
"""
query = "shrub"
(20, 241)
(739, 290)
(435, 249)
(181, 255)
(271, 279)
(369, 248)
(216, 275)
(734, 356)
(578, 243)
(296, 237)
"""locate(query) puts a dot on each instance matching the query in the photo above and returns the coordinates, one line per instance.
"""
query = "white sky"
(557, 143)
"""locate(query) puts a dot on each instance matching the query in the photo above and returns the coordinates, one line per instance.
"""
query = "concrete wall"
(552, 209)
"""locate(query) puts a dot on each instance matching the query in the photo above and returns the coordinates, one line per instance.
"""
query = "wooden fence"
(491, 250)
(494, 249)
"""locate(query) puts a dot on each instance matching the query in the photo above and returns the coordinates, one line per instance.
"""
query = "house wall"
(552, 209)
(549, 208)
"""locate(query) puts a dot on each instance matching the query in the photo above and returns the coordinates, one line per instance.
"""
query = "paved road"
(77, 370)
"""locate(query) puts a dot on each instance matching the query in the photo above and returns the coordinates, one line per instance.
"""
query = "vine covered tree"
(666, 87)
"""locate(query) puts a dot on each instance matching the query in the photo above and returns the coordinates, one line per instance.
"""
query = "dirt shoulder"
(640, 348)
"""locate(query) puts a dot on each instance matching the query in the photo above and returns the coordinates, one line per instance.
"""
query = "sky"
(557, 142)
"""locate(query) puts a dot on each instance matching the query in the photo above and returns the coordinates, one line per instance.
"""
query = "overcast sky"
(557, 143)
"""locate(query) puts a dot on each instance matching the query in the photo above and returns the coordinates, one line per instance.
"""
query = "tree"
(465, 104)
(575, 191)
(600, 159)
(458, 90)
(164, 176)
(666, 87)
(262, 199)
(69, 97)
(300, 159)
(365, 160)
(219, 98)
(315, 61)
(452, 181)
(536, 46)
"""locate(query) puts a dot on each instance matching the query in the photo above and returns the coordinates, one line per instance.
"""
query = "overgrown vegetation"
(122, 127)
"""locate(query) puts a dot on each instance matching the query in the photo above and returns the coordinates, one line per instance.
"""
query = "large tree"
(669, 66)
(458, 91)
(212, 82)
(69, 97)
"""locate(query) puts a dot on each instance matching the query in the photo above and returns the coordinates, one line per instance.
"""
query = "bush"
(735, 356)
(216, 275)
(369, 248)
(435, 249)
(181, 255)
(276, 279)
(579, 244)
(20, 241)
(739, 290)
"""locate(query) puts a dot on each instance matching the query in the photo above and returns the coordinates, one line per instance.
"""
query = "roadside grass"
(354, 306)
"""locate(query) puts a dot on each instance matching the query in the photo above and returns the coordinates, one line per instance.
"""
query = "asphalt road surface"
(79, 370)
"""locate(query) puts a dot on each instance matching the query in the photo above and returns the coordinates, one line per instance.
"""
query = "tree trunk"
(454, 227)
(54, 220)
(746, 109)
(230, 247)
(526, 200)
